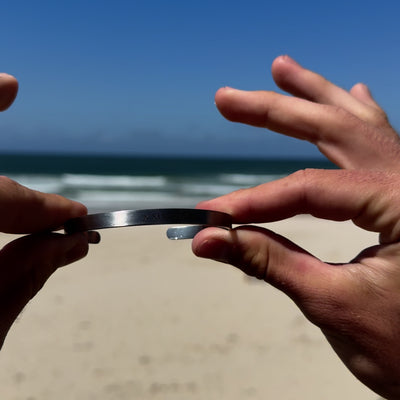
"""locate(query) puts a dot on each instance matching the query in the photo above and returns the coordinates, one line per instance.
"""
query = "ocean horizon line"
(150, 164)
(45, 153)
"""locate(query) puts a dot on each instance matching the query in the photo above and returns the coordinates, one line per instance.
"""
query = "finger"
(293, 78)
(345, 139)
(23, 210)
(361, 92)
(261, 253)
(40, 254)
(8, 90)
(27, 263)
(301, 82)
(93, 237)
(367, 198)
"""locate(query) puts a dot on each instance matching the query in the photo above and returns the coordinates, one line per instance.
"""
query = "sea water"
(106, 183)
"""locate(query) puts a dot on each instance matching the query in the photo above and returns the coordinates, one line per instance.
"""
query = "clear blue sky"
(140, 76)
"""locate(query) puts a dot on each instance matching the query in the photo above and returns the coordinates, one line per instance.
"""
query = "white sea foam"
(107, 192)
(42, 183)
(246, 180)
(98, 200)
(206, 189)
(107, 183)
(111, 181)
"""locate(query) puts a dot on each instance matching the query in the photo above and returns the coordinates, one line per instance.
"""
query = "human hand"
(356, 304)
(26, 263)
(349, 128)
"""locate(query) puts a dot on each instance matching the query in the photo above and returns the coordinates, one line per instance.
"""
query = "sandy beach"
(142, 318)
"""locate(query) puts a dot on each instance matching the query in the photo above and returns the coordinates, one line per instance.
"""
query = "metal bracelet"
(195, 218)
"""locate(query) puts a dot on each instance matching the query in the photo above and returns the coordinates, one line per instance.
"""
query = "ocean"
(106, 183)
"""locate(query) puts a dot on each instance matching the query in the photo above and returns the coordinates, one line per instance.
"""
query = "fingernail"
(289, 60)
(227, 89)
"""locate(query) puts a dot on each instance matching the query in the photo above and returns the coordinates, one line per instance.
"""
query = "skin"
(27, 262)
(356, 305)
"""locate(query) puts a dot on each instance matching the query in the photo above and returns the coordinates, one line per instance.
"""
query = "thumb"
(261, 253)
(8, 90)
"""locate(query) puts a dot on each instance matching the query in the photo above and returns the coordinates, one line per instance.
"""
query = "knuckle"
(305, 178)
(257, 264)
(12, 189)
(377, 117)
(342, 114)
(6, 182)
(250, 252)
(335, 119)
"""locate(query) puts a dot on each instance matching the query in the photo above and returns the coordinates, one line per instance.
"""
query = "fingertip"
(221, 204)
(284, 59)
(58, 210)
(62, 207)
(360, 89)
(283, 67)
(212, 243)
(8, 90)
(204, 205)
(225, 89)
(362, 93)
(78, 209)
(94, 237)
(234, 104)
(222, 95)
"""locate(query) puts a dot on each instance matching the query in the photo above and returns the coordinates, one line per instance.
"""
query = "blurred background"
(116, 101)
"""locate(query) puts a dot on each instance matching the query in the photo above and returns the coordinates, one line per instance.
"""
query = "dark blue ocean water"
(121, 182)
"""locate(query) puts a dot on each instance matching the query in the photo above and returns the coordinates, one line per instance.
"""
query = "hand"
(356, 304)
(26, 263)
(349, 128)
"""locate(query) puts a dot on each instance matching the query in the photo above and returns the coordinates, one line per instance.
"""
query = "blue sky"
(140, 76)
